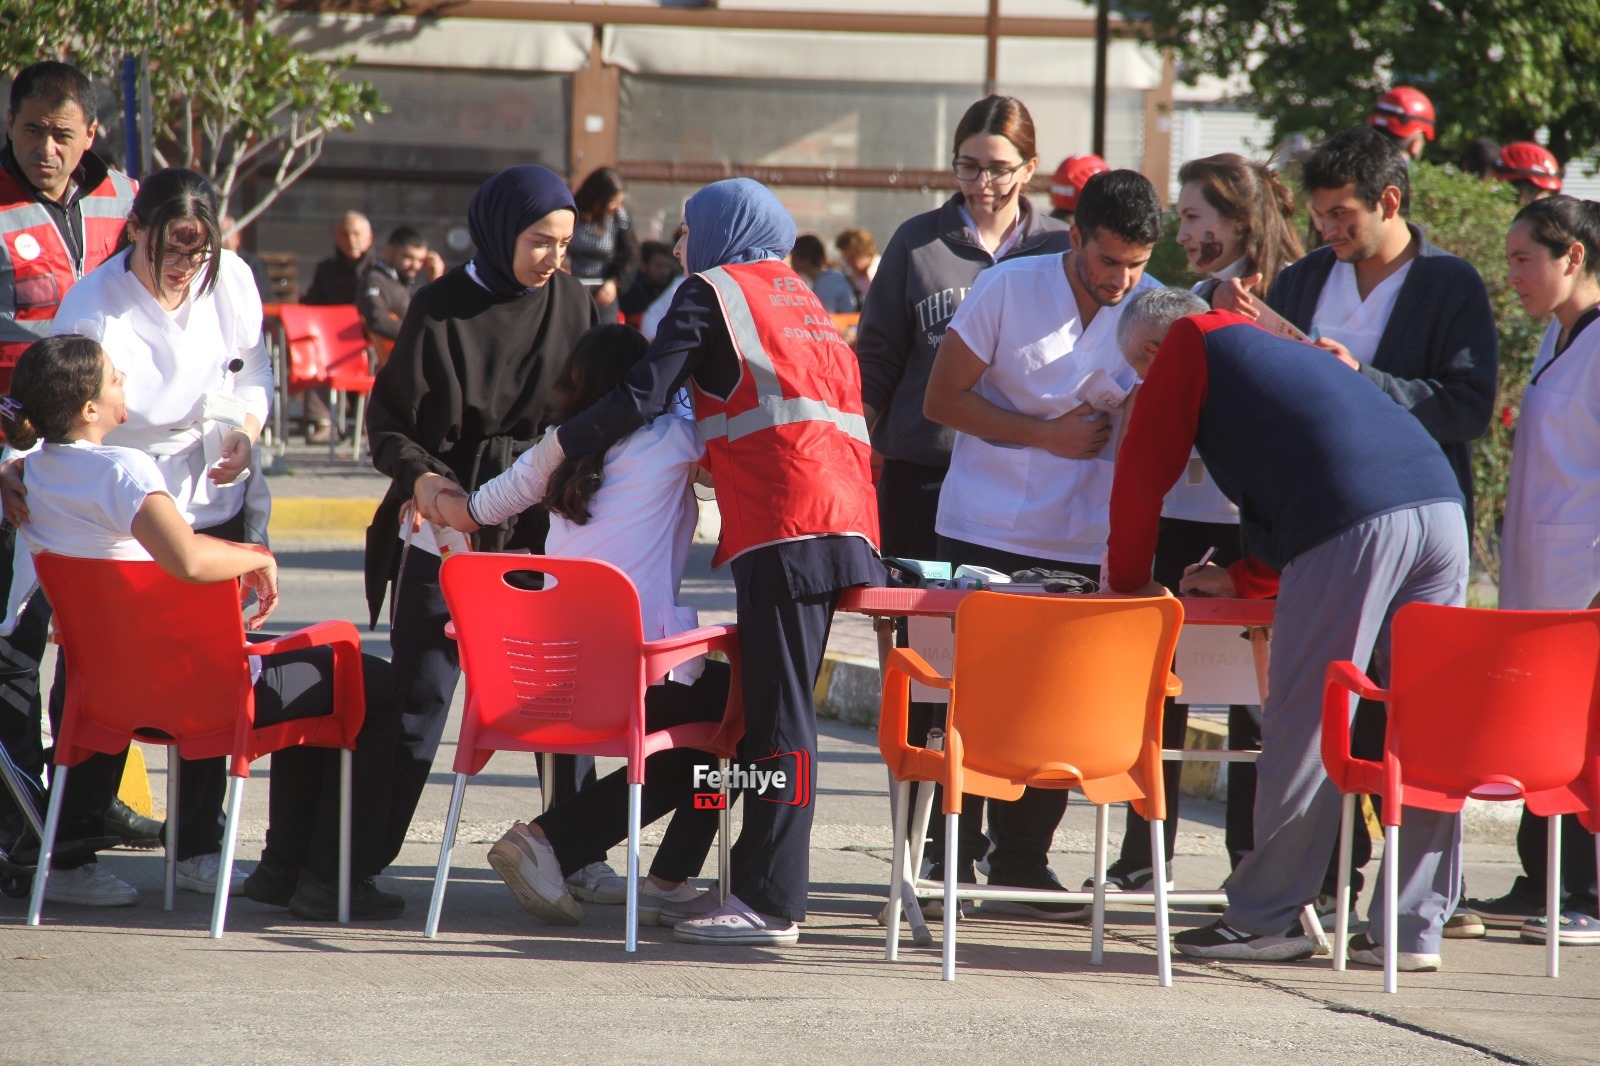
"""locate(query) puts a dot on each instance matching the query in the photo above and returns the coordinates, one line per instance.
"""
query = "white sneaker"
(653, 900)
(200, 873)
(698, 906)
(598, 883)
(529, 867)
(736, 923)
(89, 886)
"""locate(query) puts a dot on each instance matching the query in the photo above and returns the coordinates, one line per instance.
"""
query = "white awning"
(942, 60)
(474, 44)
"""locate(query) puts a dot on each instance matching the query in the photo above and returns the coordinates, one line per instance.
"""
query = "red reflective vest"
(36, 268)
(788, 448)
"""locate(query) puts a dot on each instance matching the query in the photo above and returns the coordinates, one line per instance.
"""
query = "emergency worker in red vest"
(61, 215)
(777, 398)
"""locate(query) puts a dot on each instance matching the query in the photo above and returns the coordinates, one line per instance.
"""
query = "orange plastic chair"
(165, 661)
(328, 346)
(1053, 692)
(563, 669)
(1492, 705)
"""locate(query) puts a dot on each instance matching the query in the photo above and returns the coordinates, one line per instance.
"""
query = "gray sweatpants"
(1336, 601)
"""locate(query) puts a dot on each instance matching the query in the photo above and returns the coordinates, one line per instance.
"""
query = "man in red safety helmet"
(1406, 115)
(1068, 182)
(1531, 170)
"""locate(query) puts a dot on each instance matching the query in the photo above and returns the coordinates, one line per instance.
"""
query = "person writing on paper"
(1348, 498)
(1235, 220)
(1550, 547)
(91, 499)
(467, 386)
(631, 506)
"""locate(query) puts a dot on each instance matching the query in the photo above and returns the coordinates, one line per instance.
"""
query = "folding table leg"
(230, 846)
(899, 800)
(431, 930)
(47, 844)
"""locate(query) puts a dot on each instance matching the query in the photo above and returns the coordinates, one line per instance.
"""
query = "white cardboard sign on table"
(933, 638)
(1216, 665)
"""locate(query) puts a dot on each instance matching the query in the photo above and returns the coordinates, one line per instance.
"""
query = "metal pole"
(1102, 40)
(991, 52)
(130, 118)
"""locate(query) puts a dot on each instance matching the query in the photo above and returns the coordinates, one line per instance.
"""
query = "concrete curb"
(311, 518)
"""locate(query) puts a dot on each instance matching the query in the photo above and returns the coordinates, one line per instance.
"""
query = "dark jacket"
(930, 263)
(382, 300)
(1439, 354)
(336, 279)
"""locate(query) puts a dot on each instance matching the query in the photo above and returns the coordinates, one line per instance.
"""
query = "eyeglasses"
(995, 174)
(192, 260)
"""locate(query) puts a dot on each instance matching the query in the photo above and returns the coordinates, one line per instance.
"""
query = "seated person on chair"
(95, 501)
(631, 506)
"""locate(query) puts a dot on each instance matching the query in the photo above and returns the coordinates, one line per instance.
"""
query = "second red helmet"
(1070, 177)
(1527, 161)
(1403, 111)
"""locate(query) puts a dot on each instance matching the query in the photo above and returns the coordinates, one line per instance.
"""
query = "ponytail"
(50, 385)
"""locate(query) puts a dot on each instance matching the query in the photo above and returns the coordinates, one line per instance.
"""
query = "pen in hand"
(1206, 558)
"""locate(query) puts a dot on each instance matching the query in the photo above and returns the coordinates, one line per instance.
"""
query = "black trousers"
(1021, 829)
(1577, 862)
(303, 796)
(1180, 543)
(586, 826)
(427, 668)
(782, 640)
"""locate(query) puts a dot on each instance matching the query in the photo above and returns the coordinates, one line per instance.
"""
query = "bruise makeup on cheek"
(1210, 250)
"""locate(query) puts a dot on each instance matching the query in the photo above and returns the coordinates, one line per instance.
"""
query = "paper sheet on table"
(1216, 665)
(933, 638)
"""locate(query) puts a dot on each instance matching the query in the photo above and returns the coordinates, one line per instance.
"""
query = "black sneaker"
(1509, 911)
(273, 882)
(1040, 910)
(1125, 877)
(1221, 941)
(316, 900)
(131, 828)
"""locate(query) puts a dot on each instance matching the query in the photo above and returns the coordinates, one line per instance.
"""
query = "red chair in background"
(328, 346)
(165, 661)
(563, 669)
(1491, 705)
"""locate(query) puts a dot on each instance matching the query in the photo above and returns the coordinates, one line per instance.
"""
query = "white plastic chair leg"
(230, 847)
(899, 800)
(1391, 894)
(1158, 865)
(435, 905)
(1341, 926)
(635, 802)
(1097, 922)
(336, 407)
(1552, 899)
(952, 829)
(169, 899)
(346, 769)
(47, 843)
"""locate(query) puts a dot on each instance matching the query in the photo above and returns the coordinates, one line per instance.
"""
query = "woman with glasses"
(926, 270)
(181, 319)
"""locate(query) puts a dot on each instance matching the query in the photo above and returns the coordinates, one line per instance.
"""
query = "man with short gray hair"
(1349, 510)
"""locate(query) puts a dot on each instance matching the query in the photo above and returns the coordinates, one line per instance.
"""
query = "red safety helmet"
(1526, 161)
(1403, 111)
(1070, 177)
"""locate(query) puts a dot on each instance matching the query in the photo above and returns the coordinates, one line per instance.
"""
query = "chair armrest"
(1174, 685)
(450, 630)
(341, 637)
(905, 760)
(329, 633)
(660, 656)
(1348, 773)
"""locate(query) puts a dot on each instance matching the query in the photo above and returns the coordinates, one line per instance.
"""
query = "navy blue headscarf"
(503, 207)
(736, 221)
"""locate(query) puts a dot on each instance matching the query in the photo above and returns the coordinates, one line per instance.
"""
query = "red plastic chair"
(165, 661)
(328, 346)
(1492, 705)
(563, 669)
(1049, 692)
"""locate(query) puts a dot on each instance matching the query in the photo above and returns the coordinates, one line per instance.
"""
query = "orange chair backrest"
(147, 654)
(322, 341)
(559, 666)
(1070, 679)
(1477, 694)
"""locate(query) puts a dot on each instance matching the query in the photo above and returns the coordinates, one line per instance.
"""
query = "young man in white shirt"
(1030, 474)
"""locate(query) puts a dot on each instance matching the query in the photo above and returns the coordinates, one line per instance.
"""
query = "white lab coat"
(1550, 550)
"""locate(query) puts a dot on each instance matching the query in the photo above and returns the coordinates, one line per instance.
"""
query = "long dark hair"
(598, 363)
(174, 196)
(52, 381)
(598, 190)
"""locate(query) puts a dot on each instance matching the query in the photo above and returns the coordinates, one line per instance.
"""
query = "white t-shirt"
(1343, 316)
(172, 359)
(82, 499)
(1021, 319)
(1196, 498)
(642, 522)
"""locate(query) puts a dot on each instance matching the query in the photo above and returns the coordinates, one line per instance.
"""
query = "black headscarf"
(503, 207)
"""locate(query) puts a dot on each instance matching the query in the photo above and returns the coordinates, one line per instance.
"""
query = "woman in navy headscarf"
(777, 398)
(467, 388)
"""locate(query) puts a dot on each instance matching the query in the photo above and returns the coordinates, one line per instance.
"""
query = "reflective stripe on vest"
(113, 203)
(24, 216)
(775, 409)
